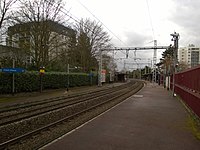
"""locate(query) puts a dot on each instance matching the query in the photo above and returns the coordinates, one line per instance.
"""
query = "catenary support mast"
(155, 47)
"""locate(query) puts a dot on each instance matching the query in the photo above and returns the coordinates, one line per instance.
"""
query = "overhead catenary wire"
(155, 45)
(101, 22)
(73, 18)
(77, 20)
(150, 19)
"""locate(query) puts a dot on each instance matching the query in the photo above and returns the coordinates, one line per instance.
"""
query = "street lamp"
(175, 38)
(68, 71)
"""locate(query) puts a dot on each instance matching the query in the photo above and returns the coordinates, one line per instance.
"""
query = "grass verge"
(193, 121)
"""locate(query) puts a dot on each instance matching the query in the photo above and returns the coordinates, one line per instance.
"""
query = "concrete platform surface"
(150, 120)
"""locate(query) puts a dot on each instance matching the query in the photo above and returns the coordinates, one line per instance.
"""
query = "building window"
(194, 58)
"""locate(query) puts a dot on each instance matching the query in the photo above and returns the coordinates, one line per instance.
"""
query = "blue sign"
(12, 70)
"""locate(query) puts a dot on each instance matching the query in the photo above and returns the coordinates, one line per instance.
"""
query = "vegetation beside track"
(30, 81)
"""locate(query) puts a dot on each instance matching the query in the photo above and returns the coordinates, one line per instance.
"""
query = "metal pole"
(91, 76)
(40, 82)
(174, 70)
(67, 77)
(124, 65)
(154, 61)
(168, 79)
(175, 39)
(42, 71)
(164, 76)
(100, 68)
(13, 79)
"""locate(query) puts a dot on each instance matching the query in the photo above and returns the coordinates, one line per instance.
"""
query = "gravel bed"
(44, 104)
(35, 110)
(15, 129)
(47, 136)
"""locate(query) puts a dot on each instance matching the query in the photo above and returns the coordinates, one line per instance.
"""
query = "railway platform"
(150, 120)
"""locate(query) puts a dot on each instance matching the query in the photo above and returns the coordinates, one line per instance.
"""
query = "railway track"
(44, 101)
(14, 114)
(75, 107)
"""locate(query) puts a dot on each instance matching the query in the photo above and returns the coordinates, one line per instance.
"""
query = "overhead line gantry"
(127, 49)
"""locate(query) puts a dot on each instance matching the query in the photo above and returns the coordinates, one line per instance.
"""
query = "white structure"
(189, 55)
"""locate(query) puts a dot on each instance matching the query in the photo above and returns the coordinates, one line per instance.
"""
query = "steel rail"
(55, 107)
(30, 104)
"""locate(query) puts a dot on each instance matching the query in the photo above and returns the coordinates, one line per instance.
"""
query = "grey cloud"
(136, 39)
(187, 15)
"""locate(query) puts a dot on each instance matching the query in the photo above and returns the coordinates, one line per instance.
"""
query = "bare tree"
(91, 38)
(5, 14)
(109, 63)
(5, 6)
(43, 34)
(182, 66)
(98, 38)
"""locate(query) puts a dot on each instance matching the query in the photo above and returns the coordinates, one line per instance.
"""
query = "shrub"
(30, 81)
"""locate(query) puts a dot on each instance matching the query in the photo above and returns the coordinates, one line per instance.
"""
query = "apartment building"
(47, 38)
(189, 55)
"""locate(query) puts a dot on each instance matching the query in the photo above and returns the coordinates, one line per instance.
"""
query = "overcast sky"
(139, 22)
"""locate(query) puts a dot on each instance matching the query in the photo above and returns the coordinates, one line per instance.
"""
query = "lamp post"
(68, 71)
(42, 71)
(175, 38)
(67, 77)
(13, 79)
(100, 69)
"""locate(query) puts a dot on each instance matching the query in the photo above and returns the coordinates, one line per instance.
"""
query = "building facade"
(189, 55)
(43, 41)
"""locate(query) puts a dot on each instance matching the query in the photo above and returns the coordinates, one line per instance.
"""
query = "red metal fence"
(187, 86)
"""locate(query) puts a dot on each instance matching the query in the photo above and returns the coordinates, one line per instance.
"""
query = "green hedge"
(30, 81)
